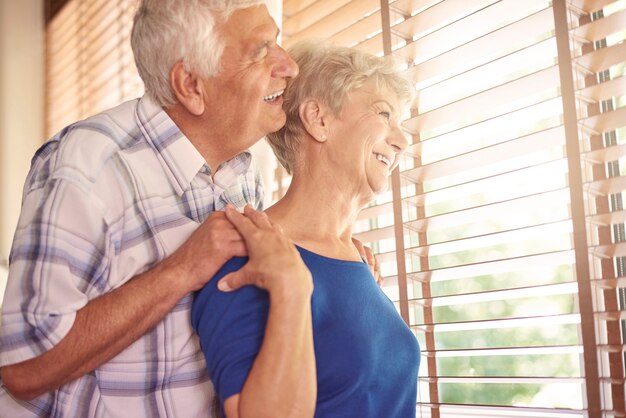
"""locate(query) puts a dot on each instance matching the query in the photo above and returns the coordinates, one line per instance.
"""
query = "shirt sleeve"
(58, 262)
(231, 326)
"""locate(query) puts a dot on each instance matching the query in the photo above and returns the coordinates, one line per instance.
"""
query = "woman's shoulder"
(212, 306)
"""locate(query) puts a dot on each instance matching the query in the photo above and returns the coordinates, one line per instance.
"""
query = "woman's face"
(367, 140)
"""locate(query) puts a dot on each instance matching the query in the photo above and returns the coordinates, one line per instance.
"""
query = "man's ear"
(315, 117)
(187, 88)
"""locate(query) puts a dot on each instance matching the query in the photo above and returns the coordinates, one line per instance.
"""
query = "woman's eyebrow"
(385, 102)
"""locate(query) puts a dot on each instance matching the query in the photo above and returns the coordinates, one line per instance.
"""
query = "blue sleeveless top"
(367, 358)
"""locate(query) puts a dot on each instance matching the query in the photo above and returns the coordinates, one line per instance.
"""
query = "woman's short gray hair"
(167, 31)
(328, 73)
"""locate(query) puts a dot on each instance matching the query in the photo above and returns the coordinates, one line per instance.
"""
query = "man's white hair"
(167, 31)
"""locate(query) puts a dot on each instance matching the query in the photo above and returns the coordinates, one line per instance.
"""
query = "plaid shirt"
(106, 199)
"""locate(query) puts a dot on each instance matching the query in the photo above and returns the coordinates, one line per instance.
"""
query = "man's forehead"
(221, 5)
(252, 20)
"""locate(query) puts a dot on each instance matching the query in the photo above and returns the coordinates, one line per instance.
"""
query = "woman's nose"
(398, 139)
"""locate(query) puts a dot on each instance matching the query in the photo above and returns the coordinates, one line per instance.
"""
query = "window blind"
(89, 64)
(502, 213)
(502, 237)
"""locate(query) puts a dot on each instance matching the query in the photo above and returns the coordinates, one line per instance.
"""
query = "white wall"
(21, 107)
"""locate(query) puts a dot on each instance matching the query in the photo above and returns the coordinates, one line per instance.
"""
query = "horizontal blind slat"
(453, 34)
(601, 28)
(311, 15)
(514, 37)
(603, 91)
(604, 122)
(336, 22)
(590, 5)
(508, 149)
(602, 59)
(487, 104)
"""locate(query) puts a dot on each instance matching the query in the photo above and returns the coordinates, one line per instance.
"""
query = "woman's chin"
(378, 189)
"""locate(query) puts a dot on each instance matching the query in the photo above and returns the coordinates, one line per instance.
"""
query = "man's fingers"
(248, 220)
(368, 255)
(375, 267)
(238, 248)
(260, 219)
(223, 234)
(359, 247)
(239, 221)
(380, 280)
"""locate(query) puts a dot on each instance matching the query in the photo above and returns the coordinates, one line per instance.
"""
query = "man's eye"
(262, 51)
(385, 115)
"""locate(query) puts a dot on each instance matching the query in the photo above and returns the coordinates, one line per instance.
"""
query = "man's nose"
(285, 67)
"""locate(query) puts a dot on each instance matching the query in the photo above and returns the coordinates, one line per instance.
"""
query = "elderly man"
(118, 224)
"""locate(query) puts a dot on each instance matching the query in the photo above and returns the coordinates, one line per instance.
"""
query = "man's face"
(244, 100)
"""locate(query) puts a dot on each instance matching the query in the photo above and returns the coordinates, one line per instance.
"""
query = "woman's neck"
(317, 216)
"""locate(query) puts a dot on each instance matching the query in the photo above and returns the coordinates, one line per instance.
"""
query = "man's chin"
(277, 124)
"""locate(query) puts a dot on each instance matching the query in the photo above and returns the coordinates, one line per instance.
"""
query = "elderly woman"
(353, 356)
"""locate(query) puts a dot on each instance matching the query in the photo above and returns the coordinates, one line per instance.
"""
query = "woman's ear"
(314, 117)
(187, 88)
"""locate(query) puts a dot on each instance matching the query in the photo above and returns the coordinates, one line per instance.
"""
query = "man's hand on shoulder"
(207, 249)
(368, 256)
(274, 265)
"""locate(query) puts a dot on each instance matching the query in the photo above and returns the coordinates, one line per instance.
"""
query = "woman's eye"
(385, 115)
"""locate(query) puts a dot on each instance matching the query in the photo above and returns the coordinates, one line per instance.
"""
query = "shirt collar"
(180, 159)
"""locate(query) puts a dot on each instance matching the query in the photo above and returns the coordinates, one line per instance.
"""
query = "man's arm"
(110, 323)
